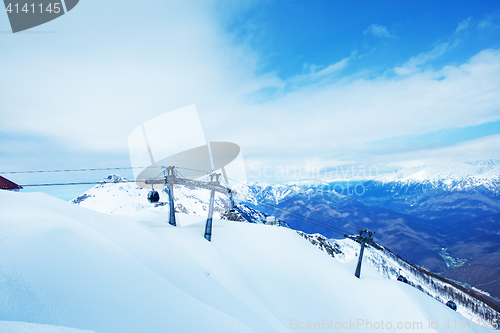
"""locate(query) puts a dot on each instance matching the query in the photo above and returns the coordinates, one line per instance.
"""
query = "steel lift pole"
(360, 259)
(170, 179)
(208, 226)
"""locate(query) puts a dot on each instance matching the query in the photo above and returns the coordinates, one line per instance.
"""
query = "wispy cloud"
(319, 71)
(378, 30)
(415, 63)
(463, 26)
(483, 24)
(338, 66)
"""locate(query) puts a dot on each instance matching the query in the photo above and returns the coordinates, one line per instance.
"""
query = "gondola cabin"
(153, 196)
(452, 305)
(402, 279)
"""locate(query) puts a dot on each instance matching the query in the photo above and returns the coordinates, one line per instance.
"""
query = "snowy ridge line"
(469, 183)
(471, 305)
(322, 243)
(456, 176)
(451, 177)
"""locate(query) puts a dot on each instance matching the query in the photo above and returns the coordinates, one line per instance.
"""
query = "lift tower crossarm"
(190, 182)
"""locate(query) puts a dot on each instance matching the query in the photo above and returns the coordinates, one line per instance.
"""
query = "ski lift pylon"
(231, 201)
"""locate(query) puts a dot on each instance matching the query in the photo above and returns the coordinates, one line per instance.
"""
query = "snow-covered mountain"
(453, 176)
(481, 175)
(117, 195)
(461, 191)
(76, 268)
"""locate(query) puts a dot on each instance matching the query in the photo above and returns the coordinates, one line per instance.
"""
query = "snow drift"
(72, 267)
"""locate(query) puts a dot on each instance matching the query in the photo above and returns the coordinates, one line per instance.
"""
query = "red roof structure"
(6, 184)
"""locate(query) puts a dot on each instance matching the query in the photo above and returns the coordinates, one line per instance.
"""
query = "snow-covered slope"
(390, 267)
(68, 266)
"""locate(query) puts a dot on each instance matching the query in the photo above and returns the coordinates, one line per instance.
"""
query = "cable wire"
(70, 170)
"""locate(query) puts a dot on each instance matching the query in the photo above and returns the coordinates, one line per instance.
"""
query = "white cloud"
(468, 151)
(91, 86)
(340, 116)
(378, 30)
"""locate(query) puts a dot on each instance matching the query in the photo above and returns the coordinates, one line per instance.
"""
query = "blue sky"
(291, 34)
(294, 83)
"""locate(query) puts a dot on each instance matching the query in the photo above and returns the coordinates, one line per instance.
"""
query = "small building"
(8, 185)
(271, 220)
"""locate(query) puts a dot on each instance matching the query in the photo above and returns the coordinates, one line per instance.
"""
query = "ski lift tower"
(171, 177)
(364, 238)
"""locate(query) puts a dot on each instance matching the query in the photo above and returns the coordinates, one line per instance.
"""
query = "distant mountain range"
(445, 217)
